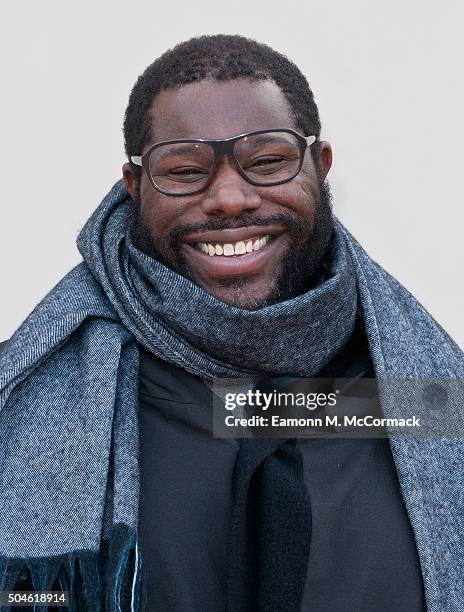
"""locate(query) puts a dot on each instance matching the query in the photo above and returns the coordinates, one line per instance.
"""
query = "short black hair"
(220, 57)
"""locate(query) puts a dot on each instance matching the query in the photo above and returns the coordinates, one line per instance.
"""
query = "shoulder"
(3, 345)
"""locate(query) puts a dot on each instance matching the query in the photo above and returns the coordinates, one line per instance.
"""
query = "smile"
(236, 252)
(233, 249)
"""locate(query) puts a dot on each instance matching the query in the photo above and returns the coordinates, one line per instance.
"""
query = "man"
(217, 257)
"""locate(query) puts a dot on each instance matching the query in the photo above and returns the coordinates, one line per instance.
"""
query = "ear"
(325, 158)
(130, 181)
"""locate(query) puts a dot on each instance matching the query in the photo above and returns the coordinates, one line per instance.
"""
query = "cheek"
(299, 196)
(156, 213)
(159, 215)
(308, 191)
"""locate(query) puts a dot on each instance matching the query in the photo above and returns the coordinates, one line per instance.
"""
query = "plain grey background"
(388, 81)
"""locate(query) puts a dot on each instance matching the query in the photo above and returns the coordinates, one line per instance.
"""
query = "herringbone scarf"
(68, 391)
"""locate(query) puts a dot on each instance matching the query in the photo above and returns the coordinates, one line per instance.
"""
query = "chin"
(240, 294)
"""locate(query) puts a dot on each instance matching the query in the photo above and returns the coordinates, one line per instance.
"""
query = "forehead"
(218, 109)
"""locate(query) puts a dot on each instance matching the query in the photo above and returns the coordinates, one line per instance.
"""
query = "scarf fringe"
(106, 581)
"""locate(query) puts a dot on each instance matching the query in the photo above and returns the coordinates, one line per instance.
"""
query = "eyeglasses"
(185, 166)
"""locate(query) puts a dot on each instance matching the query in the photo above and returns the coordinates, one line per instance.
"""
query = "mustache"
(292, 223)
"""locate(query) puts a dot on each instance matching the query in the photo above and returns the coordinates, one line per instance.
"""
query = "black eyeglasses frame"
(223, 146)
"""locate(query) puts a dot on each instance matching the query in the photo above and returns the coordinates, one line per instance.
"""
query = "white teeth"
(239, 248)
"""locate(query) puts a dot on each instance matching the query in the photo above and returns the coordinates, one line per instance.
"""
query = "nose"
(229, 193)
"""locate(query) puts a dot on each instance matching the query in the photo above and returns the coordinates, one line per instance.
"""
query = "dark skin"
(230, 209)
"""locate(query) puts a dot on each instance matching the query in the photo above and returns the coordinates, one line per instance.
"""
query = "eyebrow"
(265, 139)
(172, 150)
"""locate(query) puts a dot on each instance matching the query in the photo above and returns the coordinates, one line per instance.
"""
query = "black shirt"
(362, 556)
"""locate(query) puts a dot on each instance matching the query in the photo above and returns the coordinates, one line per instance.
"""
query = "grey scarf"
(178, 321)
(68, 394)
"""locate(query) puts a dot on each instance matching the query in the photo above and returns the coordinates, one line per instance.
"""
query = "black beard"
(303, 266)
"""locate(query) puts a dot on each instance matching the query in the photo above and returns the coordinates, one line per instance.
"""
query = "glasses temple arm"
(310, 140)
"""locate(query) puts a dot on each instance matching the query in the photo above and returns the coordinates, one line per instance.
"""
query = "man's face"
(293, 218)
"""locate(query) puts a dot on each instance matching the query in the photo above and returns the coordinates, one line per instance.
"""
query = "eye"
(263, 161)
(186, 174)
(268, 163)
(187, 171)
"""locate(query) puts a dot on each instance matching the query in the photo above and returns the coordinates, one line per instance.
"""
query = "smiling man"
(248, 223)
(217, 256)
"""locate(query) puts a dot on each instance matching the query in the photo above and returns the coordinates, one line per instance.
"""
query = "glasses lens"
(269, 157)
(181, 167)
